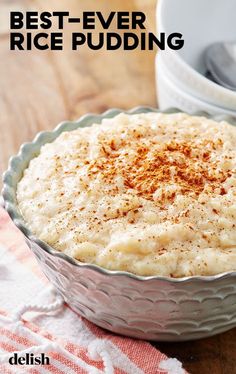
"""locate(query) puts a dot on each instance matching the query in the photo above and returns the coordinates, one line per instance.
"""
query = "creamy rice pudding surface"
(152, 194)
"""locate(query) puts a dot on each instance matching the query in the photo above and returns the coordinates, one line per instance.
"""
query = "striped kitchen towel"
(37, 326)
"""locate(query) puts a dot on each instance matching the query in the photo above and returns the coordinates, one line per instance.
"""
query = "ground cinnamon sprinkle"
(186, 164)
(152, 194)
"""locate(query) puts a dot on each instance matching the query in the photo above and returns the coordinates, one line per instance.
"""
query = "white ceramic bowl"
(172, 95)
(201, 23)
(152, 307)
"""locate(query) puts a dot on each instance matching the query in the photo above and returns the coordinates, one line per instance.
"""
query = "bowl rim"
(181, 62)
(167, 77)
(15, 164)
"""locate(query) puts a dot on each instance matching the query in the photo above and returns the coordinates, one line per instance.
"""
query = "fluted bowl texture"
(152, 307)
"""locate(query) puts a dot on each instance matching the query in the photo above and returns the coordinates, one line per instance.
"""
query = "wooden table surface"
(38, 89)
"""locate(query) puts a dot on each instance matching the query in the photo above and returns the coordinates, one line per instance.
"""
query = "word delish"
(29, 359)
(106, 35)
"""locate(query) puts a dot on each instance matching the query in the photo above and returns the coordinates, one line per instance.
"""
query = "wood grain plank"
(215, 355)
(30, 99)
(40, 89)
(97, 80)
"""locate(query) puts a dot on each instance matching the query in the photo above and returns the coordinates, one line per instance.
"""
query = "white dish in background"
(171, 95)
(201, 24)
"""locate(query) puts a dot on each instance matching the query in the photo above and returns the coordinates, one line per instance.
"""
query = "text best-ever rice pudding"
(152, 194)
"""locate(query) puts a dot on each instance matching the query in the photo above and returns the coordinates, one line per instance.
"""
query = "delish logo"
(29, 359)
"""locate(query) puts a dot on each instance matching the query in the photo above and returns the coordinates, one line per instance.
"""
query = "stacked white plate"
(180, 78)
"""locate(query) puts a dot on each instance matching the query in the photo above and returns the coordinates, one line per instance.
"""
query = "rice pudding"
(151, 194)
